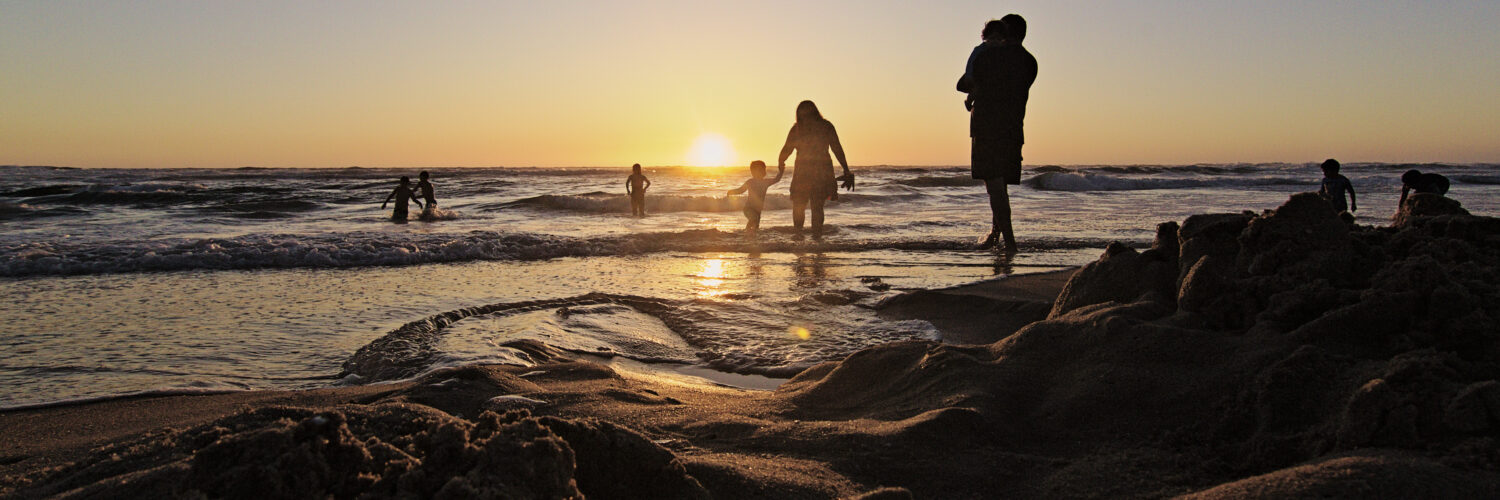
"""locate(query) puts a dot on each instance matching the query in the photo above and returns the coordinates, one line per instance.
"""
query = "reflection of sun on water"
(710, 150)
(799, 332)
(711, 277)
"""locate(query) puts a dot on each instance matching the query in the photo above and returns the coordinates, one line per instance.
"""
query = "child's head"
(994, 31)
(635, 169)
(1330, 167)
(405, 180)
(422, 175)
(757, 169)
(1411, 177)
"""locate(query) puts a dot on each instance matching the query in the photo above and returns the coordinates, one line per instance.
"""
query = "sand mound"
(381, 451)
(1251, 344)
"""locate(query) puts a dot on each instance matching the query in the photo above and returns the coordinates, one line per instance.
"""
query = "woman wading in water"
(812, 179)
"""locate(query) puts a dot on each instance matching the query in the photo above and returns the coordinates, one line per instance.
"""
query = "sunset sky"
(564, 83)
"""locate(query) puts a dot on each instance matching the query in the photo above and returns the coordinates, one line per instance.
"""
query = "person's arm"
(838, 149)
(627, 184)
(786, 150)
(416, 200)
(781, 170)
(387, 200)
(1402, 202)
(743, 187)
(648, 184)
(1353, 205)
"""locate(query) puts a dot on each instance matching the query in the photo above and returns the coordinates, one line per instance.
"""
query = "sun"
(710, 150)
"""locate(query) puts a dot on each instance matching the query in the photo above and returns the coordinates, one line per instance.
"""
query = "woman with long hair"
(813, 182)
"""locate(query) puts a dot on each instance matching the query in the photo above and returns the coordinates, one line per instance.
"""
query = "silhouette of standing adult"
(998, 80)
(812, 179)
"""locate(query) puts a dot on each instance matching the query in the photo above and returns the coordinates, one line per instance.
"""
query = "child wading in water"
(1334, 186)
(423, 186)
(635, 186)
(756, 187)
(402, 194)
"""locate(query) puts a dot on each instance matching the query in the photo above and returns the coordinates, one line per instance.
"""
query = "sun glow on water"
(710, 150)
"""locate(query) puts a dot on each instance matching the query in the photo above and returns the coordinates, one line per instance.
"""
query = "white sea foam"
(385, 249)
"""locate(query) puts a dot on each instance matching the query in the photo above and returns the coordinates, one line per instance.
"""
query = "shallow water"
(126, 280)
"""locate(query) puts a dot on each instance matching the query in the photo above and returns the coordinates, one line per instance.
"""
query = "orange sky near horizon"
(327, 84)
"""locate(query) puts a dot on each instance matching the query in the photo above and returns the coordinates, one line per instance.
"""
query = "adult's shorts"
(992, 159)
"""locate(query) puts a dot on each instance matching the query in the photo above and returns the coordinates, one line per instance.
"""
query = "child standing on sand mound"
(756, 187)
(1334, 186)
(636, 186)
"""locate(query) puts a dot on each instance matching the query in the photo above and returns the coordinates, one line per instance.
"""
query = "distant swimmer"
(402, 194)
(636, 186)
(813, 182)
(998, 79)
(424, 186)
(1334, 186)
(756, 187)
(1417, 181)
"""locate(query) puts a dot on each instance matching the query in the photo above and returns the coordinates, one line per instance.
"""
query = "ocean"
(123, 281)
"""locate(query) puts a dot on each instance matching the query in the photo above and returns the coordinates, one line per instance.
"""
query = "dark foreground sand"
(1275, 355)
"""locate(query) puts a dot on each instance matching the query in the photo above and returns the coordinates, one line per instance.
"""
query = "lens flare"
(800, 332)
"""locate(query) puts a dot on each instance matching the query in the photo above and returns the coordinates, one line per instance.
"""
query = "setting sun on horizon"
(293, 84)
(711, 150)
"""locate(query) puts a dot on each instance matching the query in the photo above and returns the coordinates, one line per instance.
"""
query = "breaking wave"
(34, 258)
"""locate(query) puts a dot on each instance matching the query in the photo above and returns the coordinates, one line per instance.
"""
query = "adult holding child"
(813, 183)
(998, 79)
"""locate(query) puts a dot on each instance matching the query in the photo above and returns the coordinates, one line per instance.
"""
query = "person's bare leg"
(1000, 212)
(817, 217)
(798, 206)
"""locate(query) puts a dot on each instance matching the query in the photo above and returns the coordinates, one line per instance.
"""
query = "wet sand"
(1265, 356)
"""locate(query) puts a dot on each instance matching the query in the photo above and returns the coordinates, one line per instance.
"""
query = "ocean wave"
(599, 202)
(154, 194)
(35, 258)
(1078, 182)
(7, 208)
(44, 190)
(276, 206)
(939, 181)
(1068, 181)
(13, 211)
(1477, 179)
(1198, 169)
(619, 203)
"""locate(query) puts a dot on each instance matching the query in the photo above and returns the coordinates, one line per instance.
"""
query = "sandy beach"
(1272, 355)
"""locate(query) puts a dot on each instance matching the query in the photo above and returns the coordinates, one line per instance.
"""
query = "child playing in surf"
(1334, 186)
(636, 186)
(424, 186)
(402, 194)
(756, 187)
